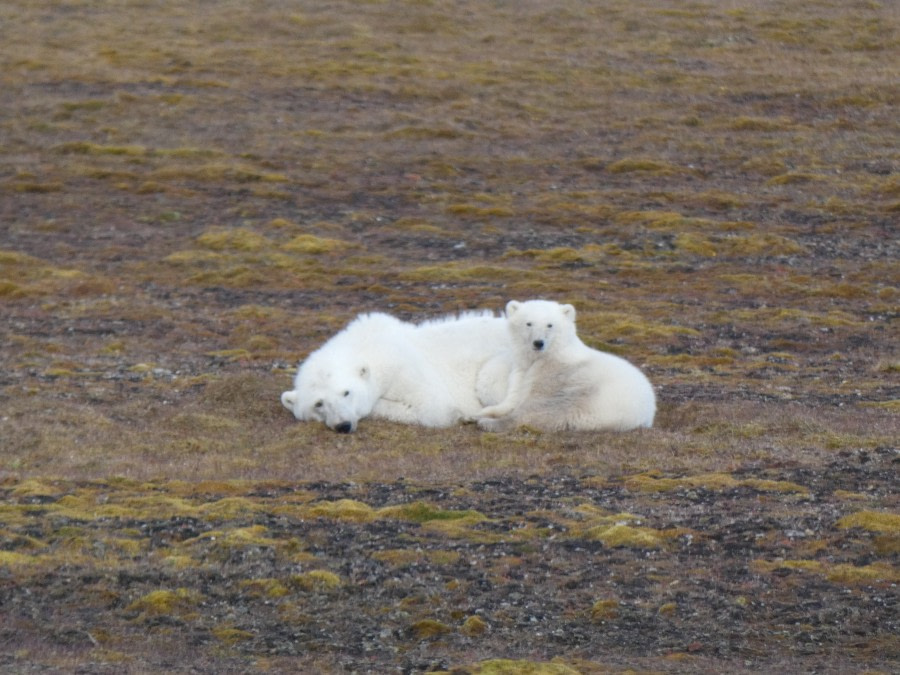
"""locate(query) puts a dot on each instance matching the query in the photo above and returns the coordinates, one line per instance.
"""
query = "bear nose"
(538, 345)
(343, 428)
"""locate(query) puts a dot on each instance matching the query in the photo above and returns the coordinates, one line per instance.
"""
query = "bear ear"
(569, 312)
(364, 372)
(512, 307)
(288, 399)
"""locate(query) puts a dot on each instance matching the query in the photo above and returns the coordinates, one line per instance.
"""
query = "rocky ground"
(743, 572)
(193, 198)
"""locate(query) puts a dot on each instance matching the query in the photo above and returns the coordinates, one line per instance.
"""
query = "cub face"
(539, 325)
(337, 399)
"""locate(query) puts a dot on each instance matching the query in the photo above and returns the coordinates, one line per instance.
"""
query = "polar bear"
(557, 382)
(381, 366)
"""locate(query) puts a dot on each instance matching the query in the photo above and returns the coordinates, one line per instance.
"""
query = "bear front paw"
(495, 424)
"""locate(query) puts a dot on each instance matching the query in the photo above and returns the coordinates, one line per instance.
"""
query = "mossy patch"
(183, 602)
(238, 238)
(621, 534)
(461, 272)
(422, 512)
(268, 588)
(16, 559)
(842, 573)
(863, 574)
(342, 509)
(638, 165)
(429, 628)
(313, 245)
(871, 521)
(605, 610)
(520, 667)
(229, 635)
(474, 626)
(317, 580)
(400, 557)
(712, 481)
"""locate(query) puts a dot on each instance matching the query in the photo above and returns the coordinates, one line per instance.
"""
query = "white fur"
(381, 366)
(557, 382)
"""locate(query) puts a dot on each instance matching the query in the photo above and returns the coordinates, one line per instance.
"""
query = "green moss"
(229, 508)
(621, 535)
(878, 572)
(317, 580)
(311, 244)
(342, 509)
(871, 521)
(421, 512)
(473, 626)
(794, 178)
(267, 588)
(429, 628)
(178, 561)
(86, 148)
(514, 667)
(15, 559)
(217, 173)
(711, 481)
(10, 289)
(457, 272)
(766, 166)
(36, 488)
(37, 187)
(766, 124)
(696, 244)
(649, 166)
(230, 635)
(485, 212)
(229, 354)
(182, 602)
(782, 486)
(224, 541)
(852, 574)
(605, 610)
(400, 557)
(738, 245)
(236, 239)
(194, 257)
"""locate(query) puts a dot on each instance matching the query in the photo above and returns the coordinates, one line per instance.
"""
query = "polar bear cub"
(557, 382)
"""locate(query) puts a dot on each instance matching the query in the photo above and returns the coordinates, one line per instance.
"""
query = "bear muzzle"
(538, 345)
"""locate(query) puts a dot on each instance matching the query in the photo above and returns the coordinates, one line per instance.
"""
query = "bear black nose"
(344, 428)
(538, 345)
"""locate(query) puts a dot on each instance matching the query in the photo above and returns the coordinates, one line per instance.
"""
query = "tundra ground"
(193, 197)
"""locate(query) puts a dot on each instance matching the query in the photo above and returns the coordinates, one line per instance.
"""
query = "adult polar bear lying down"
(558, 382)
(413, 373)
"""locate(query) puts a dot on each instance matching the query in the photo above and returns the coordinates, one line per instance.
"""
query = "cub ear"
(569, 312)
(288, 399)
(512, 307)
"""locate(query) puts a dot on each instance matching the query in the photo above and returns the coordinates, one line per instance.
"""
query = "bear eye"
(346, 393)
(528, 323)
(549, 325)
(318, 404)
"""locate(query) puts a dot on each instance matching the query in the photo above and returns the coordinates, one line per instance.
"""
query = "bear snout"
(538, 345)
(343, 428)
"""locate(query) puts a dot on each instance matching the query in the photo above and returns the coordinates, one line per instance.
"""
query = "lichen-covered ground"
(195, 195)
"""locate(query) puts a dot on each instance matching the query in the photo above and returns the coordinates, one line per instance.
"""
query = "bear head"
(540, 326)
(337, 396)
